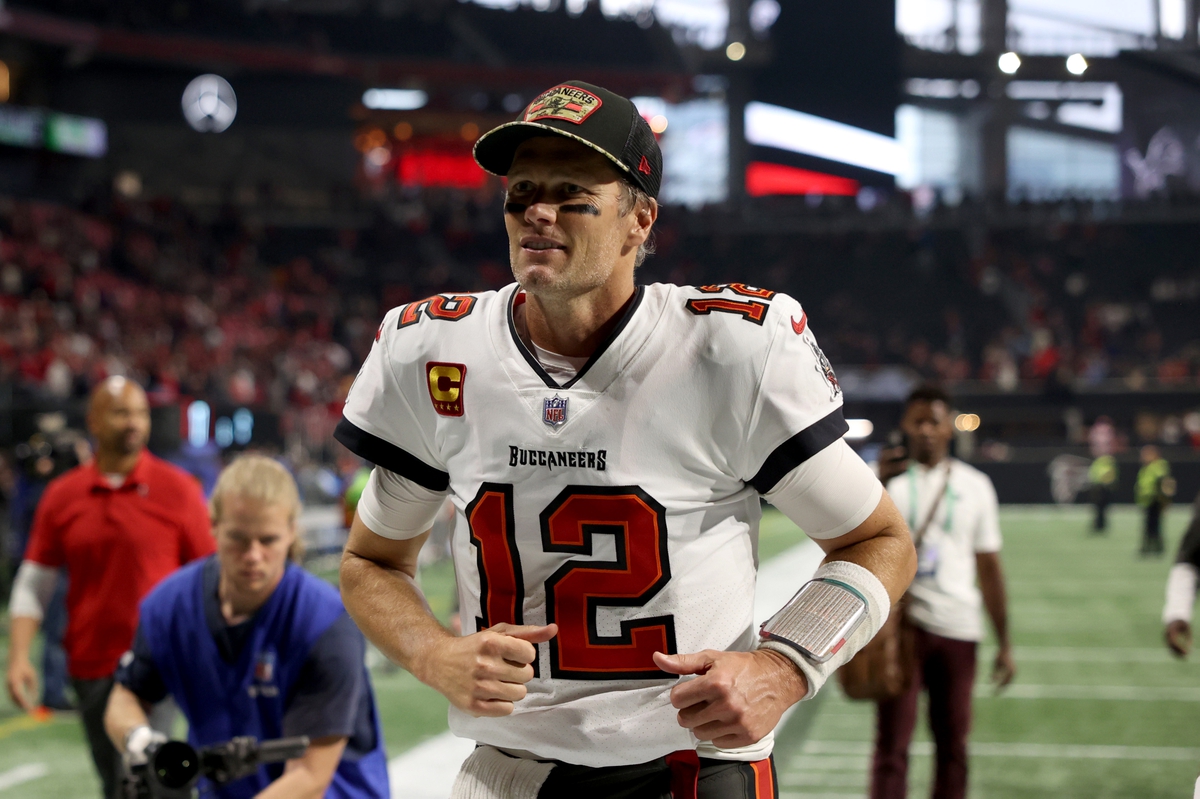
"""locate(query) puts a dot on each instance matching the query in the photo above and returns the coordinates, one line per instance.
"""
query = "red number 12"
(579, 588)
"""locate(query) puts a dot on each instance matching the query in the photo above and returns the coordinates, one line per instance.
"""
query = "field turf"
(1098, 709)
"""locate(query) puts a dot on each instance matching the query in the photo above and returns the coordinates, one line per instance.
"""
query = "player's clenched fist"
(738, 697)
(485, 673)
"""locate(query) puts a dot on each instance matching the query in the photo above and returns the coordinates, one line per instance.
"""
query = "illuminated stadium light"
(1077, 64)
(209, 104)
(128, 184)
(859, 429)
(394, 99)
(379, 156)
(199, 417)
(736, 51)
(223, 432)
(967, 422)
(1009, 63)
(243, 426)
(763, 14)
(797, 132)
(658, 123)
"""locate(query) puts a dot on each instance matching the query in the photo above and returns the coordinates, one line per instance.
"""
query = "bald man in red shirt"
(117, 526)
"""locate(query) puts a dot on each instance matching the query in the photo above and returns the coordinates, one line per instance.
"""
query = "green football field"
(1098, 710)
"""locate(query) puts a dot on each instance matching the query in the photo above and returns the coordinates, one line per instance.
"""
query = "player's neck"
(575, 327)
(933, 459)
(238, 606)
(116, 462)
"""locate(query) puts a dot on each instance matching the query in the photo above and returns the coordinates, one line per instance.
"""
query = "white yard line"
(810, 763)
(823, 779)
(22, 774)
(1089, 654)
(427, 771)
(1117, 693)
(1056, 751)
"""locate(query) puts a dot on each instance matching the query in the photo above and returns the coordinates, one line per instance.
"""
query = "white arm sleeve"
(32, 590)
(1181, 593)
(396, 507)
(829, 494)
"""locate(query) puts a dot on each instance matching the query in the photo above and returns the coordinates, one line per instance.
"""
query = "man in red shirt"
(117, 525)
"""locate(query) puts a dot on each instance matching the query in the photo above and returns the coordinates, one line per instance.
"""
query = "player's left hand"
(738, 697)
(1179, 637)
(1004, 668)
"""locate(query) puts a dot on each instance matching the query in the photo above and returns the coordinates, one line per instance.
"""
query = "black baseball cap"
(590, 115)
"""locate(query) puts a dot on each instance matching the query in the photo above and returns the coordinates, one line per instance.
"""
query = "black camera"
(47, 455)
(173, 769)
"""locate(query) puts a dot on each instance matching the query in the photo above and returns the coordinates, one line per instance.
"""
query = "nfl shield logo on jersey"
(554, 410)
(264, 675)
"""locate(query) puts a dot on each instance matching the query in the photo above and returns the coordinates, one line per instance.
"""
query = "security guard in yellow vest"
(1102, 477)
(1154, 490)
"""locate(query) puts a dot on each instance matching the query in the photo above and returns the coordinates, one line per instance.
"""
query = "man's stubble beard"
(574, 279)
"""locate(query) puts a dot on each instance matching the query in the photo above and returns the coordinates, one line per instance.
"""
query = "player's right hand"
(485, 673)
(1179, 637)
(22, 682)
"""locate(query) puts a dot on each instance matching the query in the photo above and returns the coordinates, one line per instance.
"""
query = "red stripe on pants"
(764, 780)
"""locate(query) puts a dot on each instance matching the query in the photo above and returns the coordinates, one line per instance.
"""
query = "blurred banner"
(59, 133)
(1160, 143)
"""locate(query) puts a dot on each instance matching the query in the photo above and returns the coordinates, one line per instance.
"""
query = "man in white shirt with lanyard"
(953, 514)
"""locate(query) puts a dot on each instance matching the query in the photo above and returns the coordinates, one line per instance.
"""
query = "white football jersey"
(622, 506)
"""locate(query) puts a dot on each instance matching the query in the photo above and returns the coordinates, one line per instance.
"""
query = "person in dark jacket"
(249, 644)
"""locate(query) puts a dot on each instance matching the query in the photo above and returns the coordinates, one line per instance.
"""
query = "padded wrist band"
(878, 606)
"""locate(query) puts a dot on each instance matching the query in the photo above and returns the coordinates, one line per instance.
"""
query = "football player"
(606, 446)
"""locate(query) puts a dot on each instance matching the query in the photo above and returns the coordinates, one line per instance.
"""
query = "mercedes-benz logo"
(209, 104)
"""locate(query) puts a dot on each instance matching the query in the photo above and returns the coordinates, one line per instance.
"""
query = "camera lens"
(175, 765)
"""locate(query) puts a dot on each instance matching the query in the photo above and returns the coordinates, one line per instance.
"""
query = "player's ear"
(643, 218)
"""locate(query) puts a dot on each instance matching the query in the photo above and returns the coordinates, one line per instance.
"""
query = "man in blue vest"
(250, 644)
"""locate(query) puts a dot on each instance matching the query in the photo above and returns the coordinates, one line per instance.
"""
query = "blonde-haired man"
(250, 644)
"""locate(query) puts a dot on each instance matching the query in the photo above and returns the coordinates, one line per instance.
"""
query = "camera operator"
(249, 644)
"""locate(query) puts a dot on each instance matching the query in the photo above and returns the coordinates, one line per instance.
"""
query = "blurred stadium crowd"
(243, 315)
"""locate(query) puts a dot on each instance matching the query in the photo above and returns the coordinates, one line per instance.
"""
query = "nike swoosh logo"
(799, 326)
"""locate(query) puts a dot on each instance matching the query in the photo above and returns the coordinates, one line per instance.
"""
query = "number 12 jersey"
(622, 505)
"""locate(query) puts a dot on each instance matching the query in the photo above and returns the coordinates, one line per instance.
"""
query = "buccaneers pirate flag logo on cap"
(591, 115)
(563, 102)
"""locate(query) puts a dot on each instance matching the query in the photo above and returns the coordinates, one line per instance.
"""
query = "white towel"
(490, 774)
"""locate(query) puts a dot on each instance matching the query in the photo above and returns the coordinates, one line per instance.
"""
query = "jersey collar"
(517, 297)
(135, 480)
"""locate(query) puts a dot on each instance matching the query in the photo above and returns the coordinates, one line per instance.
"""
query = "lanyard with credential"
(912, 504)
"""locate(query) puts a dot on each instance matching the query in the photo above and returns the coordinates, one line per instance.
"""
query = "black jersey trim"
(382, 453)
(638, 293)
(799, 448)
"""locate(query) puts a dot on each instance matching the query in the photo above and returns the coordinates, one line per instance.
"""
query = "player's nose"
(541, 212)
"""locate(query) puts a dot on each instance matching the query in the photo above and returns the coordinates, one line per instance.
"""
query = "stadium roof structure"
(434, 43)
